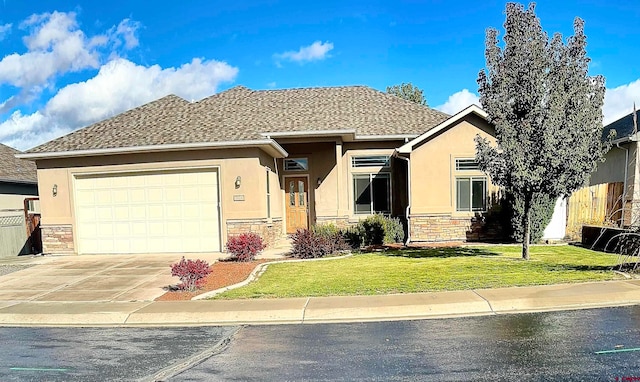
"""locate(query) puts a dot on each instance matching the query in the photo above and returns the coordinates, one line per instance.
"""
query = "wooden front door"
(297, 203)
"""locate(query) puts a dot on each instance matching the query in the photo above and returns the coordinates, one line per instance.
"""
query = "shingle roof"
(623, 127)
(240, 114)
(14, 169)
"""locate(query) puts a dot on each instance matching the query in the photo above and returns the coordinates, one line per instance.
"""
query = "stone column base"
(57, 239)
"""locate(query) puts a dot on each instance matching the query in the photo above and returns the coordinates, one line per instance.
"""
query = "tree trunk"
(526, 222)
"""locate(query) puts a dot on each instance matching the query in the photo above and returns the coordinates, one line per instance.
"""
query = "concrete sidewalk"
(322, 309)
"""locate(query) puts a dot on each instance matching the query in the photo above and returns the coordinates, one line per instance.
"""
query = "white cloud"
(5, 30)
(55, 45)
(119, 85)
(618, 102)
(314, 52)
(458, 101)
(126, 31)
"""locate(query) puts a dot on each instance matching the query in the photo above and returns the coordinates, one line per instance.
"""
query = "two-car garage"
(167, 211)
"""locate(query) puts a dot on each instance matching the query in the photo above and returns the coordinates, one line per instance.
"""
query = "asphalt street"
(581, 345)
(555, 346)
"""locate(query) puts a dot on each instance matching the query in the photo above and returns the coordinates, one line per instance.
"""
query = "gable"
(459, 135)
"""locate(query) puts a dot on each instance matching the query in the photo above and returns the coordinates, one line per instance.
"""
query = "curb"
(257, 272)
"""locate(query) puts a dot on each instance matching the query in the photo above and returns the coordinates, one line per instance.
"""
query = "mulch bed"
(223, 273)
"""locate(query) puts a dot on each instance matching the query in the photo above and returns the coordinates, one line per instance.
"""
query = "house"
(17, 182)
(613, 194)
(179, 176)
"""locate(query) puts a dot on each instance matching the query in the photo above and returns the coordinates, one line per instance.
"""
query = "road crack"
(196, 359)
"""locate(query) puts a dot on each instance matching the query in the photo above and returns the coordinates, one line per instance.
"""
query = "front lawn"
(424, 270)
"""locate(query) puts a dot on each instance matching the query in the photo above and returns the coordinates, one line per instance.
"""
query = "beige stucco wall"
(249, 164)
(433, 167)
(330, 174)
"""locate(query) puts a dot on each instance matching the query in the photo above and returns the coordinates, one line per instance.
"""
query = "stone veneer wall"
(57, 239)
(270, 232)
(340, 222)
(439, 228)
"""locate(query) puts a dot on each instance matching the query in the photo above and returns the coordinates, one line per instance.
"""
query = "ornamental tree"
(546, 109)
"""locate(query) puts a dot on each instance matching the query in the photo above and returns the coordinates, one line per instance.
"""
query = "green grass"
(424, 270)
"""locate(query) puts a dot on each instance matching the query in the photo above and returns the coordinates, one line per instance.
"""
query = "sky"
(65, 65)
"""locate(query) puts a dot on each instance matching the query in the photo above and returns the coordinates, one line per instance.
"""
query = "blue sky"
(68, 64)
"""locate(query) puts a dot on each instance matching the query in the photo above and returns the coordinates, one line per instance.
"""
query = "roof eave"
(347, 135)
(270, 146)
(391, 137)
(29, 182)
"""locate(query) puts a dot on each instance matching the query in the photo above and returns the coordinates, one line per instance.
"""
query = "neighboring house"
(613, 195)
(175, 176)
(17, 182)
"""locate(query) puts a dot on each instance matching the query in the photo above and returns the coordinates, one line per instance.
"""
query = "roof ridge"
(313, 88)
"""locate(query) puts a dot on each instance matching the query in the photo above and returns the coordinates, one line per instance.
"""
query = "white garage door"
(148, 212)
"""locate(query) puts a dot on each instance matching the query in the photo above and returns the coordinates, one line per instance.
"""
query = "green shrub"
(379, 229)
(325, 230)
(353, 236)
(393, 230)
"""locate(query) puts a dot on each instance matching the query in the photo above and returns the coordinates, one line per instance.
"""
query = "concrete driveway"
(93, 277)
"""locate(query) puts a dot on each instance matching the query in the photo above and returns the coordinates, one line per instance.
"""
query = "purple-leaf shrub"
(309, 244)
(191, 273)
(245, 246)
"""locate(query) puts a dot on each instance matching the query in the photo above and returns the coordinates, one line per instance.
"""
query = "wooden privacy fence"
(595, 205)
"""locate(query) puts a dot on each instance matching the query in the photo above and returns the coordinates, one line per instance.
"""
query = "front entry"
(297, 203)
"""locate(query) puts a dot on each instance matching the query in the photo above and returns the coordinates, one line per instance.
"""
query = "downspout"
(406, 213)
(624, 187)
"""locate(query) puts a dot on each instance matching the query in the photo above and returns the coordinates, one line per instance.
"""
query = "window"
(471, 194)
(296, 164)
(370, 161)
(372, 193)
(466, 165)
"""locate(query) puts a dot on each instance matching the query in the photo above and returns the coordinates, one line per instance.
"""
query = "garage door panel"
(104, 213)
(139, 228)
(155, 212)
(158, 212)
(137, 195)
(137, 212)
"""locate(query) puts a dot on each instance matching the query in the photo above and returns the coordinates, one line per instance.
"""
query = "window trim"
(471, 179)
(370, 157)
(268, 193)
(293, 160)
(371, 176)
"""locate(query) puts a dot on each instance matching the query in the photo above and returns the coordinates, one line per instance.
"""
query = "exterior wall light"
(54, 190)
(238, 181)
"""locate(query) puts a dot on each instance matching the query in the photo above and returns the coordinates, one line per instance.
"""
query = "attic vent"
(467, 165)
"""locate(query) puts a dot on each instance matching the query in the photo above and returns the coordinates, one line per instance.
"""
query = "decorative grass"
(433, 269)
